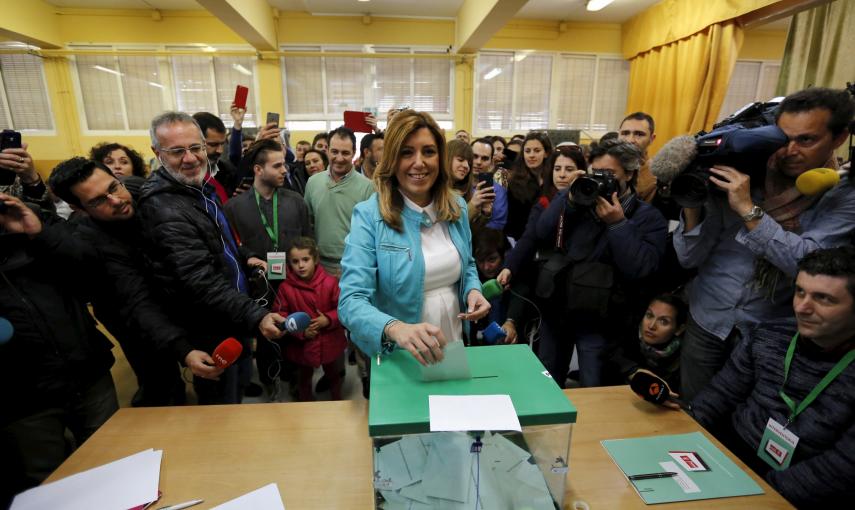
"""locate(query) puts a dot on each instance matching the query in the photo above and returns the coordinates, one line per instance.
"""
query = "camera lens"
(690, 189)
(585, 190)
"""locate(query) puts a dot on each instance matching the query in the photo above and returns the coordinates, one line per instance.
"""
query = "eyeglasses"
(178, 152)
(114, 188)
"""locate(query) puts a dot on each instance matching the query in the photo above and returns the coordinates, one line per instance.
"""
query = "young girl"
(308, 288)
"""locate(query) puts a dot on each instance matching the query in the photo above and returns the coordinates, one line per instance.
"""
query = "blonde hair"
(404, 124)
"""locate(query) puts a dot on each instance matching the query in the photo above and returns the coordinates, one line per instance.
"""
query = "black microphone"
(652, 388)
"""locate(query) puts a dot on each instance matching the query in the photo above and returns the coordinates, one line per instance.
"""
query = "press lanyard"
(796, 409)
(274, 232)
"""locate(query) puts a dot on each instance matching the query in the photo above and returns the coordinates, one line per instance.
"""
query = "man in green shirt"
(331, 196)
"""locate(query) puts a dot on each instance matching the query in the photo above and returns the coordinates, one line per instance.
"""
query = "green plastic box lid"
(399, 398)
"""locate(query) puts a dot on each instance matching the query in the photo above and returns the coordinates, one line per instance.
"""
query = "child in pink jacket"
(308, 288)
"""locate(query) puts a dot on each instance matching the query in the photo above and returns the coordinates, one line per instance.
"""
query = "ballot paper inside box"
(415, 468)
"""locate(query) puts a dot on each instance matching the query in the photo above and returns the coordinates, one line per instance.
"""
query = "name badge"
(277, 263)
(777, 445)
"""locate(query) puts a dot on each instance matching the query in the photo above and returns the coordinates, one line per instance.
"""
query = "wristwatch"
(754, 214)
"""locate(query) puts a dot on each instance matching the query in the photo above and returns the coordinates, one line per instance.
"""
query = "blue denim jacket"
(383, 271)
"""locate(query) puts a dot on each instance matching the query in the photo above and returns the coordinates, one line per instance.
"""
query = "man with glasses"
(195, 260)
(747, 240)
(224, 173)
(104, 241)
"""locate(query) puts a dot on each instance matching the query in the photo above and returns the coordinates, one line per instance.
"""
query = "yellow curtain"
(669, 21)
(683, 84)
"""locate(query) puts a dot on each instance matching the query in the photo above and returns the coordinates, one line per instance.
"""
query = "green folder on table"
(716, 475)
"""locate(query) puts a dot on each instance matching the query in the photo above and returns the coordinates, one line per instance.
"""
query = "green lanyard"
(796, 409)
(274, 232)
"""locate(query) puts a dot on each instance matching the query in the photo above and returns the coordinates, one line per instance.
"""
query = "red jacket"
(318, 294)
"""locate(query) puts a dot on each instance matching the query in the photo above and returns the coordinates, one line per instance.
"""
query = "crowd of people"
(744, 306)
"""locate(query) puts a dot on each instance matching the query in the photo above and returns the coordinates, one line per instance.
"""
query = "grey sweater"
(744, 395)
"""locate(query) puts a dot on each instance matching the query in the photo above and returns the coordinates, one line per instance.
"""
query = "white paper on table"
(265, 498)
(124, 483)
(687, 484)
(454, 364)
(472, 412)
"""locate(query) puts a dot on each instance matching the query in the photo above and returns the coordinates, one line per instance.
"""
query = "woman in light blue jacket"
(408, 275)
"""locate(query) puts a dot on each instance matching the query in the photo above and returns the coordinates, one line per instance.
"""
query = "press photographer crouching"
(748, 235)
(605, 239)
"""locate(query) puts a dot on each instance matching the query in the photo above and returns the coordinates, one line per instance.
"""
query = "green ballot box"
(415, 468)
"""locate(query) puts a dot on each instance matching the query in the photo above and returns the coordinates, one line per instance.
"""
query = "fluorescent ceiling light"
(158, 85)
(106, 70)
(209, 49)
(241, 69)
(493, 73)
(519, 57)
(596, 5)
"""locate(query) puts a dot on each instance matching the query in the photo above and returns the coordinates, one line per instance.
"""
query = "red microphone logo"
(227, 353)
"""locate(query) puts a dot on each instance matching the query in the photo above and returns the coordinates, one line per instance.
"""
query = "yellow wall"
(763, 45)
(548, 36)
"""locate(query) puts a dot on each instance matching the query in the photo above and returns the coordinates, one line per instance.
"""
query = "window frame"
(6, 104)
(554, 90)
(764, 63)
(326, 116)
(166, 71)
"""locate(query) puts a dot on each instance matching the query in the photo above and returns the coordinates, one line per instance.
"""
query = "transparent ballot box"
(416, 468)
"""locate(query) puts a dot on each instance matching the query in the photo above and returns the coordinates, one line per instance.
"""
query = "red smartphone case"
(241, 93)
(355, 121)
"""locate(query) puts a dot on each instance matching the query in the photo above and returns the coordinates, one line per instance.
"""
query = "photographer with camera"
(747, 241)
(605, 239)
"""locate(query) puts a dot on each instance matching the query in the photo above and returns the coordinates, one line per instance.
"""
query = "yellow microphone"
(817, 180)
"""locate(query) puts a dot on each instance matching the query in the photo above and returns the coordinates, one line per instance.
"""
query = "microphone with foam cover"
(817, 180)
(297, 322)
(491, 289)
(227, 352)
(673, 158)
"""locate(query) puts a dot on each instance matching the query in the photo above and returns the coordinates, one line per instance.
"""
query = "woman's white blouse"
(442, 274)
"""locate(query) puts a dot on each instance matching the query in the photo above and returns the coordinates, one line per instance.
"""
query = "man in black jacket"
(55, 372)
(267, 218)
(195, 260)
(106, 239)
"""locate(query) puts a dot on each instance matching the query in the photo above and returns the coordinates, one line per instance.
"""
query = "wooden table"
(616, 413)
(320, 453)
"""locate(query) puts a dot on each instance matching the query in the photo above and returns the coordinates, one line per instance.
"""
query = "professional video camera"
(745, 140)
(586, 188)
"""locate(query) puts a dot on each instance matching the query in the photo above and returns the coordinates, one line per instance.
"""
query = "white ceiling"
(567, 10)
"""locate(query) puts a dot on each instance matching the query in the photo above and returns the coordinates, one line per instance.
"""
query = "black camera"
(744, 140)
(747, 150)
(586, 188)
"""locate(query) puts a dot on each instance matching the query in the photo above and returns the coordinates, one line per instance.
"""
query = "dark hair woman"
(525, 181)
